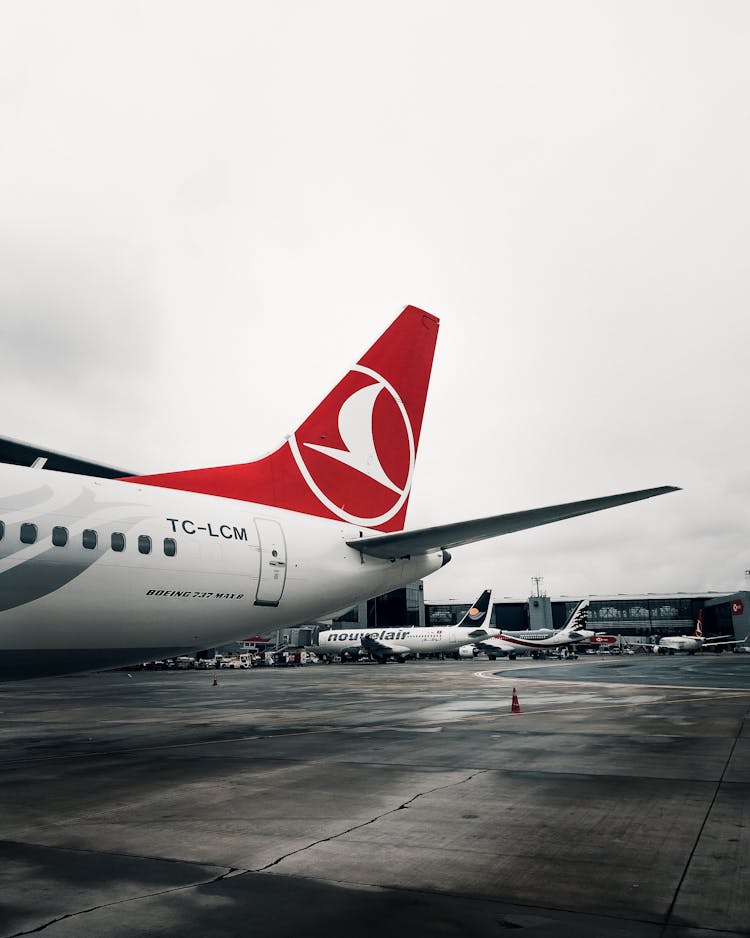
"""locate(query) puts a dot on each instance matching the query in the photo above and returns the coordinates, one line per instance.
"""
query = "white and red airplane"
(536, 640)
(669, 644)
(100, 568)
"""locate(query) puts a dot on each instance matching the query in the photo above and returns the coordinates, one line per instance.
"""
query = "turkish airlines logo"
(738, 607)
(356, 451)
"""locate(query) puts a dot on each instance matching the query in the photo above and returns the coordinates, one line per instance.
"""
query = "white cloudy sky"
(209, 210)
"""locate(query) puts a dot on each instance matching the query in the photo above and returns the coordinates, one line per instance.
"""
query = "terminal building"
(642, 615)
(639, 617)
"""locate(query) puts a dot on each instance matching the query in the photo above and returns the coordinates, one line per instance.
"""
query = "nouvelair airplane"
(382, 644)
(669, 644)
(535, 640)
(97, 571)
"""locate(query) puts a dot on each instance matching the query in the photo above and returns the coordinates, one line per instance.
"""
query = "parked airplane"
(669, 644)
(382, 644)
(537, 640)
(100, 568)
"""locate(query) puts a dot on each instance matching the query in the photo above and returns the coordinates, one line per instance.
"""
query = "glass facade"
(446, 614)
(647, 615)
(628, 615)
(401, 607)
(643, 610)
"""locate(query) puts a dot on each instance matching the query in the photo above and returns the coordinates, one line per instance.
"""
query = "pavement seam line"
(355, 827)
(699, 835)
(192, 743)
(107, 853)
(515, 904)
(555, 681)
(106, 905)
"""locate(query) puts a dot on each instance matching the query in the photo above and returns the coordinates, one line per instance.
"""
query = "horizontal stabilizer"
(444, 536)
(17, 453)
(478, 634)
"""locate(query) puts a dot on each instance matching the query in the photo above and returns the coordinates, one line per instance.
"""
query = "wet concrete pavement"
(359, 799)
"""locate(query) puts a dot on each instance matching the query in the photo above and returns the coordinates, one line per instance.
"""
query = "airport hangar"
(640, 617)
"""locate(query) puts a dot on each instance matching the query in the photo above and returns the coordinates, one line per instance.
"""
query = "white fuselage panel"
(237, 568)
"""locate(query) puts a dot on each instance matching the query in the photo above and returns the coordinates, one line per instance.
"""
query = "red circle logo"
(356, 451)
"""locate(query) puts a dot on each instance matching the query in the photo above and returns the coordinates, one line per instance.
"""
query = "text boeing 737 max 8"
(100, 569)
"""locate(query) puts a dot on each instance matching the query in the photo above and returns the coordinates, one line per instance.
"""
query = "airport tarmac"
(366, 800)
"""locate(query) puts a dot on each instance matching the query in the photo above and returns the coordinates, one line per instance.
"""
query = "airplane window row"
(90, 539)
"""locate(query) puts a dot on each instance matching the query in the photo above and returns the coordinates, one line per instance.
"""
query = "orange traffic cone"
(216, 681)
(515, 706)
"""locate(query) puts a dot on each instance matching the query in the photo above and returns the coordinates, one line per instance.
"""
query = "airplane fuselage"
(409, 640)
(103, 570)
(98, 573)
(681, 643)
(539, 638)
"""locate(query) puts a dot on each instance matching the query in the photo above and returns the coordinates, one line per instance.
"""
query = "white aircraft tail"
(578, 617)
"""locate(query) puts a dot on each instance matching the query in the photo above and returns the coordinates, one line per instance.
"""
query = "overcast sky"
(208, 211)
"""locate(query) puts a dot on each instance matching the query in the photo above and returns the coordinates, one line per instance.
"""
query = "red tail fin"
(699, 625)
(353, 458)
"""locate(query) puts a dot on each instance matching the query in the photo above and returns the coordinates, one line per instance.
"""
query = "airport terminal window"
(412, 598)
(88, 539)
(144, 544)
(170, 546)
(670, 609)
(59, 536)
(118, 541)
(28, 533)
(441, 615)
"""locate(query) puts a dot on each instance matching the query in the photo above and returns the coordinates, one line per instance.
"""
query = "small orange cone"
(515, 706)
(216, 681)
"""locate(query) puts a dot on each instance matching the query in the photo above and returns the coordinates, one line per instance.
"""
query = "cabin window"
(144, 544)
(170, 546)
(28, 533)
(118, 541)
(59, 536)
(88, 539)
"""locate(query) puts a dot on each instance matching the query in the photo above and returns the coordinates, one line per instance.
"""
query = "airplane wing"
(379, 647)
(444, 536)
(710, 642)
(494, 643)
(25, 454)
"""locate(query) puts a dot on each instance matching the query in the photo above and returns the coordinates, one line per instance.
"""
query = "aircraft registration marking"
(229, 532)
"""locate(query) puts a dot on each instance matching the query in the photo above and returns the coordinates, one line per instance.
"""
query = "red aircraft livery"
(353, 458)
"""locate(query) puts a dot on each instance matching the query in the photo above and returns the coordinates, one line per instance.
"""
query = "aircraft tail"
(478, 617)
(699, 625)
(353, 458)
(578, 617)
